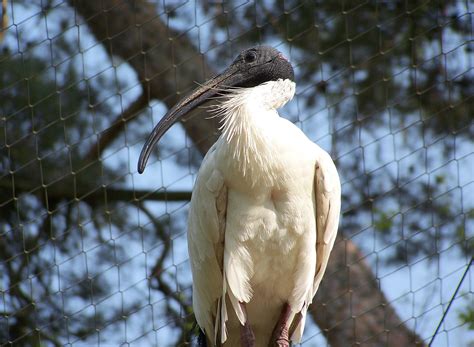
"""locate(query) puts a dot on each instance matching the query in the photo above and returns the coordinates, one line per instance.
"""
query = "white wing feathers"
(206, 225)
(327, 189)
(206, 241)
(327, 192)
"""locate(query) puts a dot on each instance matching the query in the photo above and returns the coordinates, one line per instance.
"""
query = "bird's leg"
(247, 338)
(280, 336)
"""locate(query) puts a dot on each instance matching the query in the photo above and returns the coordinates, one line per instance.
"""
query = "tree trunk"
(349, 307)
(166, 62)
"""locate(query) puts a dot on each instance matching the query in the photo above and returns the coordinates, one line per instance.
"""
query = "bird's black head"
(260, 64)
(251, 68)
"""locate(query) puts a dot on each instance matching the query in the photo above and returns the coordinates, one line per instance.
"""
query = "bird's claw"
(282, 340)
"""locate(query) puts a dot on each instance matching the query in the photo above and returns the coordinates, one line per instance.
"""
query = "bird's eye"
(250, 57)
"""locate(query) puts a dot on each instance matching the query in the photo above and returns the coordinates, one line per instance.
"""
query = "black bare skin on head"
(252, 67)
(261, 64)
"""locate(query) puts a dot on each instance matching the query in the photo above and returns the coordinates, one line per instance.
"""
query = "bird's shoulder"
(208, 175)
(290, 132)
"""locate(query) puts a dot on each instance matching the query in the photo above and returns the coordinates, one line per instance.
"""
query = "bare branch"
(118, 125)
(96, 195)
(170, 64)
(162, 286)
(123, 195)
(164, 59)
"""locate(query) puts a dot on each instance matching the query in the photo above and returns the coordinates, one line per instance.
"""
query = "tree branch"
(164, 59)
(350, 308)
(162, 286)
(169, 62)
(92, 196)
(118, 125)
(127, 195)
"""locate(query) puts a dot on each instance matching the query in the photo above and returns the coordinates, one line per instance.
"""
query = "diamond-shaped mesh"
(94, 254)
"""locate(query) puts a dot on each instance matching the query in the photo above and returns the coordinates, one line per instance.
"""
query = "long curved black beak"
(199, 96)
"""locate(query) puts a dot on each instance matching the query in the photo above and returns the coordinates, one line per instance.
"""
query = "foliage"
(466, 316)
(45, 117)
(386, 71)
(392, 77)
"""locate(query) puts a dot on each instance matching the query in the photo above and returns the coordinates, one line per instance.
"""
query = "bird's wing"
(206, 225)
(327, 192)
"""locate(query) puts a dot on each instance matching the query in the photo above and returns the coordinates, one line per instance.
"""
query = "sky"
(415, 290)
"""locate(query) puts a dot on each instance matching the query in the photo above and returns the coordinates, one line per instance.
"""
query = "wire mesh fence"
(91, 253)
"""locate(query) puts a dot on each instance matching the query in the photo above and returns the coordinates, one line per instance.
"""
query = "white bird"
(264, 210)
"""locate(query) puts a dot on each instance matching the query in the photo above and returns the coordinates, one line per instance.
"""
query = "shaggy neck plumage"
(247, 121)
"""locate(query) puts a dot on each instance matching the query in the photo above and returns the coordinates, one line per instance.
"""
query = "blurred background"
(94, 254)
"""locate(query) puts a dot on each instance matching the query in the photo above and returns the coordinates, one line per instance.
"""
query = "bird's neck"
(248, 116)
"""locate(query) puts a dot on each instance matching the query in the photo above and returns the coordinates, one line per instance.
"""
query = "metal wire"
(445, 313)
(93, 253)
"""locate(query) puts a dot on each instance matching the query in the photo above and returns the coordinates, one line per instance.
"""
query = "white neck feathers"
(247, 124)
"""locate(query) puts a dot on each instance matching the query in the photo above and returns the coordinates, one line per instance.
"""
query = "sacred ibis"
(264, 210)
